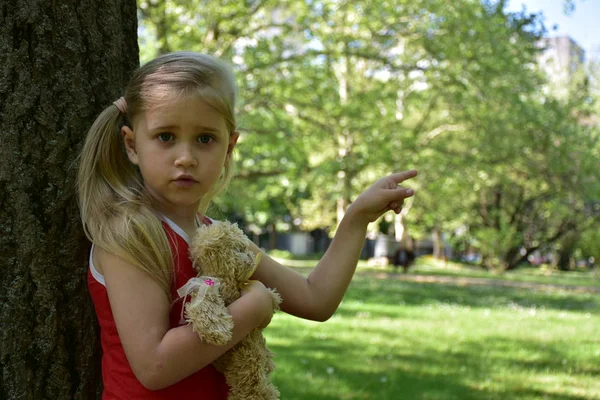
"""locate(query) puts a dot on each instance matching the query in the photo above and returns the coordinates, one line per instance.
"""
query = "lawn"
(396, 339)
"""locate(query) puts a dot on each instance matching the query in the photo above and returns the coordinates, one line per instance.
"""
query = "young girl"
(150, 165)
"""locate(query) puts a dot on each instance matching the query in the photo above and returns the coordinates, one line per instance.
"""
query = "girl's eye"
(205, 139)
(165, 137)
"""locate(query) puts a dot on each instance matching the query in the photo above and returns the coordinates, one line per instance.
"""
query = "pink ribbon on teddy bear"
(202, 284)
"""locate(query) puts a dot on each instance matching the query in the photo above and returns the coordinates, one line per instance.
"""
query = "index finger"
(404, 175)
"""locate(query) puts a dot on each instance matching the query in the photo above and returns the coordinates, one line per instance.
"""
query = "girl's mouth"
(185, 182)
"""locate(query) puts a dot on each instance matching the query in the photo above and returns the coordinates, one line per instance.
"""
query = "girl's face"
(180, 148)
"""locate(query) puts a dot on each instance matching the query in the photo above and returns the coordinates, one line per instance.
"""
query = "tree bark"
(61, 63)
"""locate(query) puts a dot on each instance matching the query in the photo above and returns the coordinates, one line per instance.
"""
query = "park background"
(495, 107)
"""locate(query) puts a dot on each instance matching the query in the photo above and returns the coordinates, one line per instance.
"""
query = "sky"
(583, 25)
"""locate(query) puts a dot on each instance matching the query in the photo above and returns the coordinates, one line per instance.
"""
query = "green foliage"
(335, 94)
(495, 242)
(589, 244)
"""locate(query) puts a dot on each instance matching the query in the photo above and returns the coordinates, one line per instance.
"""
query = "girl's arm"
(160, 356)
(319, 295)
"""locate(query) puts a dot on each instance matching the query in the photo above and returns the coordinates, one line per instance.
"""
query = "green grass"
(428, 266)
(395, 339)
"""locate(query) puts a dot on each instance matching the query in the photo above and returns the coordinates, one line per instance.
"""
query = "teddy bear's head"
(222, 250)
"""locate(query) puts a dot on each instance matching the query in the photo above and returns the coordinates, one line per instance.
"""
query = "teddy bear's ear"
(222, 245)
(233, 231)
(207, 237)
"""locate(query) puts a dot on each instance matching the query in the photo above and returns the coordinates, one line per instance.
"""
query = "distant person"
(404, 258)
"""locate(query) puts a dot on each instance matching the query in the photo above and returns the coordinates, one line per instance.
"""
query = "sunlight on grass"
(428, 266)
(543, 274)
(392, 339)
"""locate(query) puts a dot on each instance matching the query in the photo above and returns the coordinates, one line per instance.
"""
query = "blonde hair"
(116, 213)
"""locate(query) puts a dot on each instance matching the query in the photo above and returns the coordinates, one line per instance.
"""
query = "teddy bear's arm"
(210, 319)
(275, 298)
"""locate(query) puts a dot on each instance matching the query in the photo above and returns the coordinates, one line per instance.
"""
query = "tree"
(338, 93)
(511, 172)
(312, 98)
(62, 63)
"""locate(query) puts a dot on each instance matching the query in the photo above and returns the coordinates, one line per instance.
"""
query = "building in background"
(562, 60)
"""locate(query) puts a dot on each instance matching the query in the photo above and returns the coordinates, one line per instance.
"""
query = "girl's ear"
(235, 135)
(129, 141)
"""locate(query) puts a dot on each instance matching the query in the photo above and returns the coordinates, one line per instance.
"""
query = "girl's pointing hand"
(384, 195)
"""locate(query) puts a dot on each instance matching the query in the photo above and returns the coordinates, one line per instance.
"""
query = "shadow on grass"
(337, 378)
(407, 376)
(417, 294)
(535, 356)
(337, 369)
(315, 363)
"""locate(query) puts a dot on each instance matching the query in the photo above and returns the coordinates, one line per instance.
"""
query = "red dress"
(119, 381)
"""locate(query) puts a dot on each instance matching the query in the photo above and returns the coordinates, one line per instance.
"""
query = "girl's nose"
(185, 158)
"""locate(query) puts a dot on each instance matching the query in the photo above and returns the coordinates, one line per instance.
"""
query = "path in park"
(462, 280)
(467, 281)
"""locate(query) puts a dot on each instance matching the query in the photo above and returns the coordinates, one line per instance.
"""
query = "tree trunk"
(438, 244)
(61, 63)
(272, 231)
(344, 140)
(345, 198)
(512, 258)
(400, 230)
(565, 260)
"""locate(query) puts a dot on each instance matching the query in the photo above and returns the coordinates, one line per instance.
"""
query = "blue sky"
(583, 25)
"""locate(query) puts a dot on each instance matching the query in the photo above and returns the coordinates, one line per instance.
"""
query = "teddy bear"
(224, 263)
